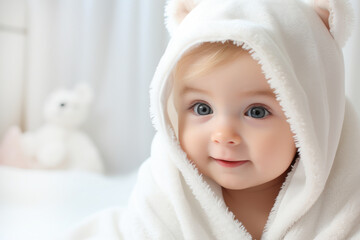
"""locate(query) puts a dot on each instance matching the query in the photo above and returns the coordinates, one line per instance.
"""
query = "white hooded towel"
(303, 63)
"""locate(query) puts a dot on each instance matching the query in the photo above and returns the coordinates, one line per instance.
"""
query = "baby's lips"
(229, 159)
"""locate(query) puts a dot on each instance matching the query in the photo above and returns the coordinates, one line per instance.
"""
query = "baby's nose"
(226, 136)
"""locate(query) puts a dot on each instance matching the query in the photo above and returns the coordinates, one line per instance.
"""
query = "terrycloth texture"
(304, 65)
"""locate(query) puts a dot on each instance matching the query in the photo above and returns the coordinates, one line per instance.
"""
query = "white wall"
(12, 56)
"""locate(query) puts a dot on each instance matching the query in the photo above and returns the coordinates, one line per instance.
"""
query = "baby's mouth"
(229, 162)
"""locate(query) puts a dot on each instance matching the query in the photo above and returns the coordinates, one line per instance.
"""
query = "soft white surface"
(44, 204)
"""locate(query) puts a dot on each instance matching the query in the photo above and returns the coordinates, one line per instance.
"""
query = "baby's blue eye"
(202, 109)
(257, 112)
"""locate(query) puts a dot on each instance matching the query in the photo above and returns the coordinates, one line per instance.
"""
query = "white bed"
(38, 204)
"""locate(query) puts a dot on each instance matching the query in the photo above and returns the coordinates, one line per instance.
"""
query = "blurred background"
(114, 46)
(45, 45)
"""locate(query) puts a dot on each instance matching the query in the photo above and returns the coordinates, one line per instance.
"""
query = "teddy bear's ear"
(338, 17)
(176, 11)
(84, 92)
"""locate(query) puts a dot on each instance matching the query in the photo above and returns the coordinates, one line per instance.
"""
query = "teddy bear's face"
(66, 108)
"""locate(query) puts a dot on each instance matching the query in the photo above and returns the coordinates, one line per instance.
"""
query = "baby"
(233, 129)
(255, 138)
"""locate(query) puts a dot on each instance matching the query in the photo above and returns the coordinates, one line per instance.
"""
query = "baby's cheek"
(265, 147)
(278, 149)
(191, 143)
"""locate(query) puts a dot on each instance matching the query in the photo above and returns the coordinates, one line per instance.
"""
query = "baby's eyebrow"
(191, 89)
(267, 93)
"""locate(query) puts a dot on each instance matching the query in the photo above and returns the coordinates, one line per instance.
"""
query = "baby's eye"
(257, 112)
(202, 109)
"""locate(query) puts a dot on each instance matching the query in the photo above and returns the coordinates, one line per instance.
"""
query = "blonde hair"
(210, 55)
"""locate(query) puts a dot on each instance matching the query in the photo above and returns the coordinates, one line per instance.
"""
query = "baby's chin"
(232, 183)
(235, 186)
(237, 183)
(261, 186)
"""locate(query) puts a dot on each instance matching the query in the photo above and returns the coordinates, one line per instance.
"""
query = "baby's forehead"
(202, 58)
(242, 68)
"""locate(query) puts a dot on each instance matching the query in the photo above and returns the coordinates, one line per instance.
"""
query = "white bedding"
(38, 204)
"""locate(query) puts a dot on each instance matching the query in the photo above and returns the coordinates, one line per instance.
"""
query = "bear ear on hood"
(338, 17)
(176, 11)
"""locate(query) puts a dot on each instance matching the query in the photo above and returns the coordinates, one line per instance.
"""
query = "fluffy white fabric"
(303, 63)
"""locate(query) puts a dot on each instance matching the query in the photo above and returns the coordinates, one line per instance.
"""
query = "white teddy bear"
(59, 144)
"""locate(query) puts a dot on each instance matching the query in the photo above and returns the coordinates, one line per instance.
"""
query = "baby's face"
(231, 126)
